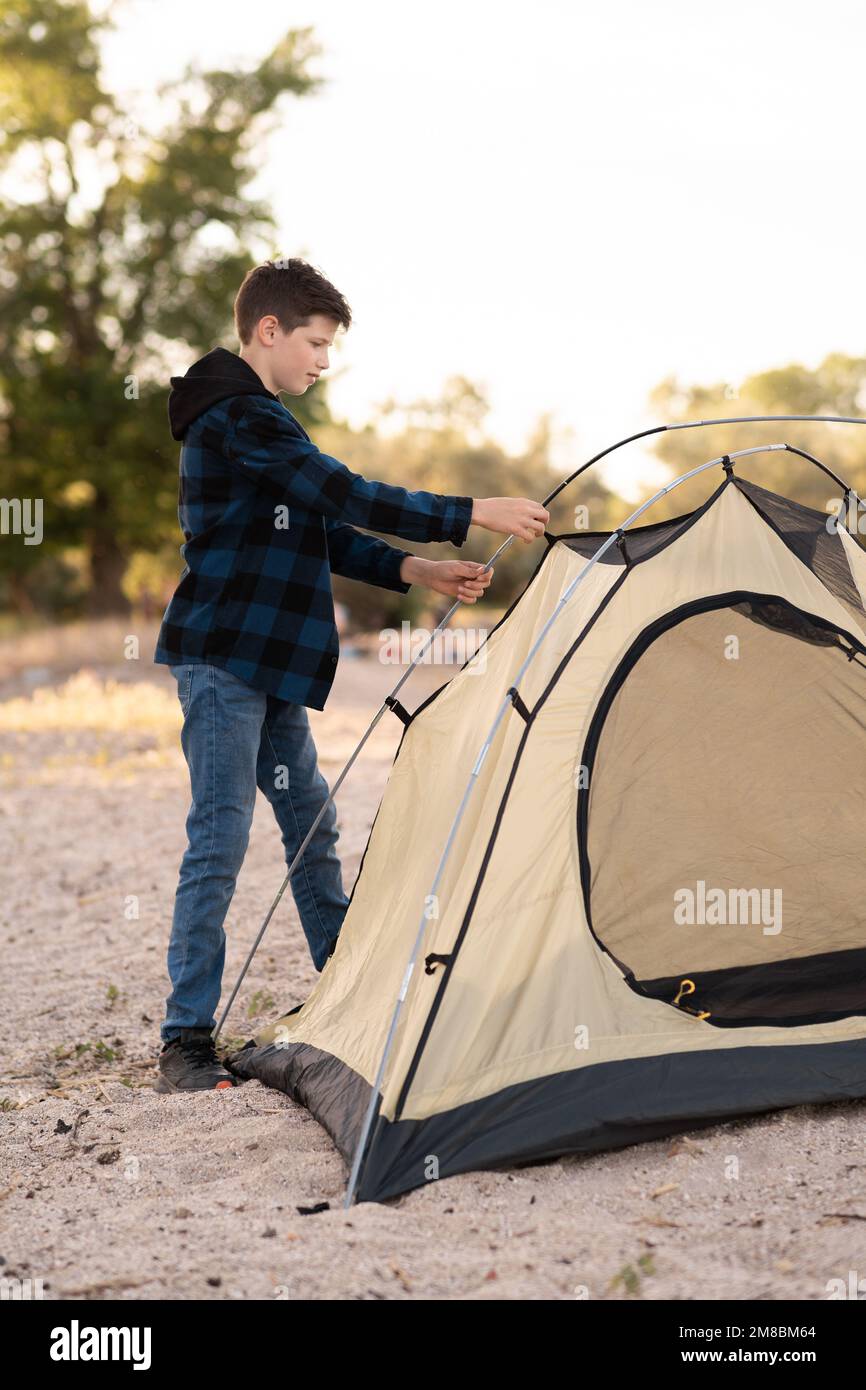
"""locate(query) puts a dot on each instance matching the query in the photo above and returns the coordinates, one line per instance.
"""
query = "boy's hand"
(457, 578)
(512, 516)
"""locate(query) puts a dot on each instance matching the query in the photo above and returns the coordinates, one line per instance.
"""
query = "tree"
(836, 387)
(130, 241)
(442, 446)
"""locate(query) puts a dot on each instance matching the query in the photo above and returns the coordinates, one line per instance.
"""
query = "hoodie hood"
(212, 378)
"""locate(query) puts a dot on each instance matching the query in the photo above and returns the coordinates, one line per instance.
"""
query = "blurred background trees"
(129, 242)
(120, 255)
(836, 387)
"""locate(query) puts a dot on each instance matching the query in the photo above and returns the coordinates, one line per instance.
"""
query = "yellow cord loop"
(702, 1013)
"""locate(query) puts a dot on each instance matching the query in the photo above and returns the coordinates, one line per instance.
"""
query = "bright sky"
(565, 202)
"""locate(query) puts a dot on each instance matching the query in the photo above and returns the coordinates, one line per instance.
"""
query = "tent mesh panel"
(804, 531)
(640, 541)
(725, 819)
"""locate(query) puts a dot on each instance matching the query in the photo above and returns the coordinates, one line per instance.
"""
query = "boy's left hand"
(457, 578)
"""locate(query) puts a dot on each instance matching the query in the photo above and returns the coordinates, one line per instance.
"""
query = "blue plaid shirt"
(267, 517)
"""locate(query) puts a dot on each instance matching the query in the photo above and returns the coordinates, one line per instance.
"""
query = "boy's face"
(298, 358)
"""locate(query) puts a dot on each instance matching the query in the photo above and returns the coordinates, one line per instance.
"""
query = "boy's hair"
(292, 290)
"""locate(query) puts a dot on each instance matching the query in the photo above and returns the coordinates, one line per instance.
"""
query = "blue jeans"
(235, 739)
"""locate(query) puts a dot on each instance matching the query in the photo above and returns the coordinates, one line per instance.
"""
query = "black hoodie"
(255, 596)
(212, 378)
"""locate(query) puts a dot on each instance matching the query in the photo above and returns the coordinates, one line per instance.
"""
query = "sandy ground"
(108, 1190)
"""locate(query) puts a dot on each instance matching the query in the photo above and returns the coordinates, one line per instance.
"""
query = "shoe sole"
(166, 1087)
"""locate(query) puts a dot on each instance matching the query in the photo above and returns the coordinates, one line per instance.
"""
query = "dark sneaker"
(189, 1063)
(233, 1057)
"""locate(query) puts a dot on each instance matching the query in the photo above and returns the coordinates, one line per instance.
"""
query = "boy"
(249, 633)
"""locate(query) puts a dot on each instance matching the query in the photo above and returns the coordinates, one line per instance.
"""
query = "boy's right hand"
(512, 516)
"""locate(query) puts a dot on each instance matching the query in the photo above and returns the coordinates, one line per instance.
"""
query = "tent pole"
(333, 792)
(658, 429)
(699, 424)
(591, 562)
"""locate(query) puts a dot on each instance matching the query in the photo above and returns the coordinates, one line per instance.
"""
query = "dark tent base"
(608, 1105)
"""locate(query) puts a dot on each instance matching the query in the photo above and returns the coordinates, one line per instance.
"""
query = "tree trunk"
(21, 602)
(107, 568)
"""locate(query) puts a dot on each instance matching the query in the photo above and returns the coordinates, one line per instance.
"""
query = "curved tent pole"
(848, 491)
(390, 699)
(698, 424)
(724, 459)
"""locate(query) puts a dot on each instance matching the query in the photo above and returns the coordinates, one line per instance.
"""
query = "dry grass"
(89, 701)
(59, 647)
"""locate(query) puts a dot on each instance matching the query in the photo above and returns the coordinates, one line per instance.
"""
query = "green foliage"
(150, 578)
(260, 1002)
(117, 270)
(629, 1278)
(441, 445)
(113, 268)
(836, 387)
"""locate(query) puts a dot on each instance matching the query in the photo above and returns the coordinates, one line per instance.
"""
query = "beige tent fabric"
(349, 1011)
(716, 756)
(856, 556)
(531, 993)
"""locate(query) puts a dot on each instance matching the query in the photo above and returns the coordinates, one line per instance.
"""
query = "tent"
(639, 909)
